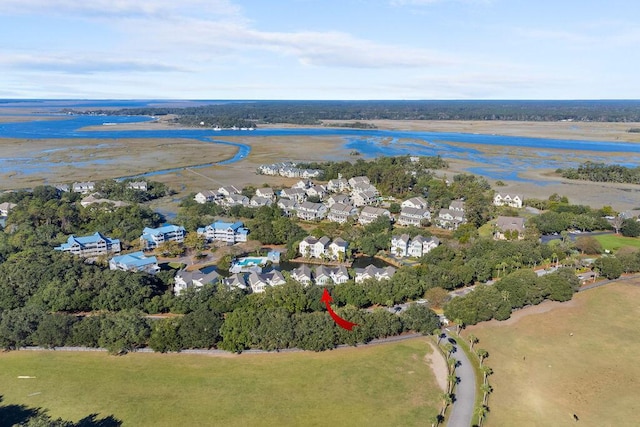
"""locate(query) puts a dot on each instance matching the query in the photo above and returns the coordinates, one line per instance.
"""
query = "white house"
(89, 246)
(135, 261)
(413, 216)
(403, 245)
(288, 206)
(337, 250)
(311, 247)
(364, 197)
(303, 184)
(266, 192)
(235, 281)
(326, 275)
(341, 213)
(234, 200)
(296, 194)
(230, 232)
(515, 200)
(206, 196)
(337, 185)
(338, 198)
(6, 207)
(302, 274)
(310, 211)
(260, 281)
(415, 202)
(316, 191)
(399, 245)
(359, 182)
(373, 272)
(368, 214)
(138, 185)
(454, 216)
(152, 237)
(83, 187)
(257, 201)
(229, 190)
(184, 280)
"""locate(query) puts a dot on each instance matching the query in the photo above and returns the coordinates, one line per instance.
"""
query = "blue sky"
(320, 49)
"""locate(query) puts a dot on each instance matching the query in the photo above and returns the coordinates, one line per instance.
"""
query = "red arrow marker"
(326, 299)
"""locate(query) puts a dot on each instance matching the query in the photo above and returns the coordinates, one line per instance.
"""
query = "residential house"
(419, 246)
(415, 202)
(337, 185)
(296, 194)
(509, 228)
(310, 211)
(302, 274)
(135, 261)
(373, 272)
(502, 199)
(359, 182)
(316, 191)
(310, 247)
(206, 196)
(6, 207)
(341, 213)
(234, 200)
(303, 184)
(62, 188)
(338, 198)
(89, 246)
(288, 206)
(152, 237)
(184, 280)
(452, 218)
(138, 185)
(257, 201)
(326, 275)
(368, 214)
(364, 197)
(266, 192)
(399, 245)
(310, 173)
(413, 216)
(229, 190)
(230, 232)
(235, 281)
(260, 281)
(83, 187)
(337, 250)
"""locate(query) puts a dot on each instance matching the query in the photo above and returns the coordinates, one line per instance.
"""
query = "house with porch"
(341, 213)
(90, 246)
(310, 211)
(229, 232)
(504, 199)
(413, 216)
(302, 274)
(260, 281)
(153, 237)
(368, 214)
(229, 190)
(206, 196)
(266, 192)
(236, 280)
(184, 280)
(415, 203)
(337, 185)
(83, 187)
(373, 272)
(296, 194)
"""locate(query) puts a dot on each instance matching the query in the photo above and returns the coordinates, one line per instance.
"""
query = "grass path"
(576, 358)
(390, 384)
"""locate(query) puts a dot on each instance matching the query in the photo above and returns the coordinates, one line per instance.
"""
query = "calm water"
(370, 143)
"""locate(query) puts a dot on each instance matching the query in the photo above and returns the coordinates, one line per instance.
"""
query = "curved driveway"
(462, 409)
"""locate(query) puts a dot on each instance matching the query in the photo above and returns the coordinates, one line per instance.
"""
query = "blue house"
(135, 261)
(152, 237)
(87, 246)
(230, 232)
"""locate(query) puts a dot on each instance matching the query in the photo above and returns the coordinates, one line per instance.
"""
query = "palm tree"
(452, 379)
(481, 413)
(486, 390)
(459, 325)
(448, 347)
(452, 363)
(482, 354)
(486, 371)
(447, 400)
(472, 340)
(438, 333)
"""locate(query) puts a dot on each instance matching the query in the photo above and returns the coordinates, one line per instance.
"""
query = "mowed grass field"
(580, 357)
(614, 242)
(383, 385)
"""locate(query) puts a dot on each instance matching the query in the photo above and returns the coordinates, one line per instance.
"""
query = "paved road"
(462, 410)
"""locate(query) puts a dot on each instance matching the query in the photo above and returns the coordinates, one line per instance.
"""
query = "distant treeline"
(600, 172)
(253, 113)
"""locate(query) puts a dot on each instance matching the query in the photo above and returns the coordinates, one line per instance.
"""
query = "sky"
(320, 49)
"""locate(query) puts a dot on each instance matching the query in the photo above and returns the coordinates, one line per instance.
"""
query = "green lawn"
(384, 385)
(578, 358)
(614, 242)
